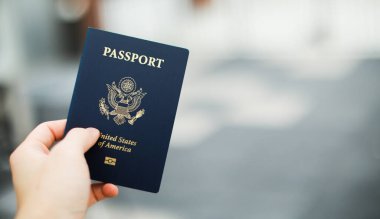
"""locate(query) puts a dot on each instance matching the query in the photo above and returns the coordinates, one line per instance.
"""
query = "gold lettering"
(113, 54)
(118, 147)
(133, 57)
(127, 56)
(108, 137)
(101, 143)
(159, 62)
(151, 61)
(143, 62)
(106, 51)
(121, 54)
(127, 141)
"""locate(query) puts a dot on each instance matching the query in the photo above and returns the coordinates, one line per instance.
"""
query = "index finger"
(47, 133)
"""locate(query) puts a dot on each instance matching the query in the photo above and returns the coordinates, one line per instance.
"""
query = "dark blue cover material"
(129, 89)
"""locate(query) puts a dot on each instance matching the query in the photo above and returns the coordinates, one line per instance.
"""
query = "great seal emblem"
(124, 99)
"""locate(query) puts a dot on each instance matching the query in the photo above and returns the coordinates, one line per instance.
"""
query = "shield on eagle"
(124, 100)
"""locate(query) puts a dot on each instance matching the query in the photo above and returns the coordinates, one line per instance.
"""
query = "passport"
(129, 89)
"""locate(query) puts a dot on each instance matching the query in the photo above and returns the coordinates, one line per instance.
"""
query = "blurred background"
(279, 116)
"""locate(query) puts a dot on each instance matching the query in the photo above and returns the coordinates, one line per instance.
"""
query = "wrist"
(40, 211)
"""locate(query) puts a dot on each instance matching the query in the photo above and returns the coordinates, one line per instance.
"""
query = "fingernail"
(94, 131)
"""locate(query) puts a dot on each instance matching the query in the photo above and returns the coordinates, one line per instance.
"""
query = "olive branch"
(103, 108)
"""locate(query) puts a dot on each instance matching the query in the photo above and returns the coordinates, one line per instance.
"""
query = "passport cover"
(128, 88)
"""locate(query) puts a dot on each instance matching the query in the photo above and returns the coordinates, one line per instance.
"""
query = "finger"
(79, 139)
(46, 134)
(100, 191)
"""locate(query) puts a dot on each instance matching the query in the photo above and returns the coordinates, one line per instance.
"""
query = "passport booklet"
(128, 88)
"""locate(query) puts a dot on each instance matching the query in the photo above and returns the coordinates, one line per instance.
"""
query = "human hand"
(54, 182)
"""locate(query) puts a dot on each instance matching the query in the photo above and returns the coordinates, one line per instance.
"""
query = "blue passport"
(129, 89)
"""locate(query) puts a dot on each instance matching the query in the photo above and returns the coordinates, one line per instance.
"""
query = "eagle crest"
(124, 99)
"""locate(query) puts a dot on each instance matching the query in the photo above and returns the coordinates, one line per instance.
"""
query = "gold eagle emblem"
(124, 99)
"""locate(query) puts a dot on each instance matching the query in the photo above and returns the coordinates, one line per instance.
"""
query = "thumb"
(80, 139)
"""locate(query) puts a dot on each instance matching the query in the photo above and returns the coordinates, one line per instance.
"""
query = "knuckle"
(78, 132)
(43, 124)
(13, 157)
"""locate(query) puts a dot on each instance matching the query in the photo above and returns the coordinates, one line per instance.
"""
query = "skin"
(54, 181)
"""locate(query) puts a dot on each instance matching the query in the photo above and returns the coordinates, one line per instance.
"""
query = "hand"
(54, 182)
